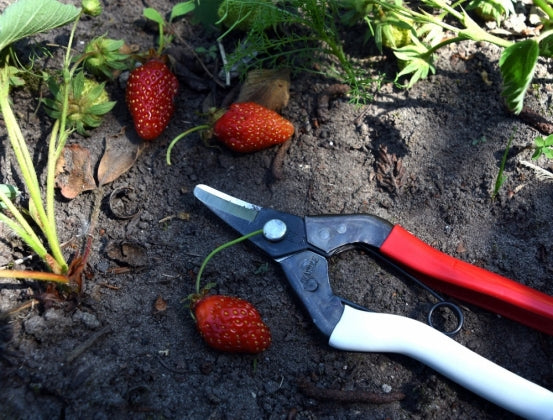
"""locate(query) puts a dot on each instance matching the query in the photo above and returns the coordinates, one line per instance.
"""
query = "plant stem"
(542, 4)
(21, 227)
(36, 275)
(180, 136)
(51, 231)
(220, 248)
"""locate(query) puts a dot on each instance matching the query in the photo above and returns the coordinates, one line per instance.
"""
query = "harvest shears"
(302, 246)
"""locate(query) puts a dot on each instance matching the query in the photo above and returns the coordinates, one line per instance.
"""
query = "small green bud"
(104, 56)
(88, 102)
(92, 7)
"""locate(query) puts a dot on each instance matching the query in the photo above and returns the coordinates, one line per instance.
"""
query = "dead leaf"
(389, 170)
(118, 158)
(74, 171)
(267, 87)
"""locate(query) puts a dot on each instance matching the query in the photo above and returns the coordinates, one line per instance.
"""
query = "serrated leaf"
(517, 65)
(101, 109)
(416, 61)
(29, 17)
(181, 9)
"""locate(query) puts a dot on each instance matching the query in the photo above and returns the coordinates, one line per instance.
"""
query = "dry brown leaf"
(270, 88)
(118, 158)
(74, 171)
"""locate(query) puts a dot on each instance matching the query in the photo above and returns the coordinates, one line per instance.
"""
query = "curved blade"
(245, 218)
(217, 200)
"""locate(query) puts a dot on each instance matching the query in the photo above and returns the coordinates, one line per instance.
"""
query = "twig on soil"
(536, 121)
(278, 161)
(541, 174)
(17, 262)
(312, 391)
(19, 308)
(87, 344)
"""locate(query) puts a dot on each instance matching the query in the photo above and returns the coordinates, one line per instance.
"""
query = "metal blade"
(245, 218)
(221, 202)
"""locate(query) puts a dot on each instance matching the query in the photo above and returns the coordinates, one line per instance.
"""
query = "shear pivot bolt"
(274, 230)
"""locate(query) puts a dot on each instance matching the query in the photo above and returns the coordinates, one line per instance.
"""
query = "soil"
(129, 348)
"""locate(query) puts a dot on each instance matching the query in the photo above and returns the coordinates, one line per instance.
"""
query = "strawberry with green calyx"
(228, 323)
(88, 102)
(106, 57)
(150, 96)
(245, 127)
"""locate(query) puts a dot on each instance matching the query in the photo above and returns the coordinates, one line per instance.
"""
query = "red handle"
(469, 283)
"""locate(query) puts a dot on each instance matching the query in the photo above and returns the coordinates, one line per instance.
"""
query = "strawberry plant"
(77, 104)
(228, 323)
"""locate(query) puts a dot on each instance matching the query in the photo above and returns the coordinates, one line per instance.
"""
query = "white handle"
(376, 332)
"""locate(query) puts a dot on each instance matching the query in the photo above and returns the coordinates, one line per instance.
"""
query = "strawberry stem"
(180, 136)
(220, 248)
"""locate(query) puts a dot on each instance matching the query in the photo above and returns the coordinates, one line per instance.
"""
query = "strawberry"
(231, 324)
(248, 127)
(150, 95)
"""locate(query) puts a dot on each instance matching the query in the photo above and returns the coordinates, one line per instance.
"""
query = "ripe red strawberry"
(249, 127)
(231, 324)
(150, 95)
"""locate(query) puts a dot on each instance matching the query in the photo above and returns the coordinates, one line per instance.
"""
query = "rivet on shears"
(274, 230)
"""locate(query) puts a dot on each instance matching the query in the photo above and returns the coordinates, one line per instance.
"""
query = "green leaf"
(543, 147)
(10, 191)
(29, 17)
(546, 46)
(517, 65)
(153, 14)
(206, 11)
(181, 9)
(414, 59)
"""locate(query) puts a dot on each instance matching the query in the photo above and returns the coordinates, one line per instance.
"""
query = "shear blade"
(220, 202)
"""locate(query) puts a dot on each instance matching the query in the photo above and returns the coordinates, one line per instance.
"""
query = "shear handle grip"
(376, 332)
(469, 283)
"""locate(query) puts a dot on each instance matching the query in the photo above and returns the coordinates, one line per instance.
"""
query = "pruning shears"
(302, 246)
